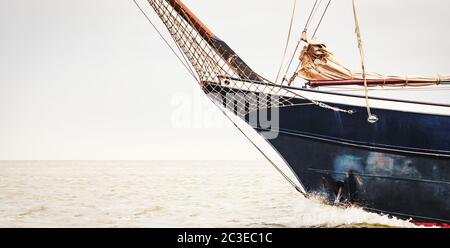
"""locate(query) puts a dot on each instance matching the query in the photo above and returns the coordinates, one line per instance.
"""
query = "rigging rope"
(184, 63)
(310, 16)
(290, 62)
(287, 42)
(303, 37)
(370, 117)
(286, 177)
(321, 18)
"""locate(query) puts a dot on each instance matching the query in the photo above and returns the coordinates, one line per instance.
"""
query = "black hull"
(364, 163)
(399, 165)
(407, 186)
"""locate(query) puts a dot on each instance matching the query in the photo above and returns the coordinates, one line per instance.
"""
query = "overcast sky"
(90, 79)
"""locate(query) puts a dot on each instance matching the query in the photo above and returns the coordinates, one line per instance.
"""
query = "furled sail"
(321, 68)
(317, 63)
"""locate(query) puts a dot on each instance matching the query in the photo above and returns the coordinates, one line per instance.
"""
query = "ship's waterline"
(162, 194)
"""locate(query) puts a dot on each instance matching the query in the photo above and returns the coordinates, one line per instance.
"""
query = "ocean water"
(163, 194)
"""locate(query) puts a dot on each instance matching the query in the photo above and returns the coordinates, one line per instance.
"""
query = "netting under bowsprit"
(221, 73)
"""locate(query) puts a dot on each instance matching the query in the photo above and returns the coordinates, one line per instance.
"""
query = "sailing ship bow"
(331, 149)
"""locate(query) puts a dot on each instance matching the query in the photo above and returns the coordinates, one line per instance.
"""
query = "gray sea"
(163, 194)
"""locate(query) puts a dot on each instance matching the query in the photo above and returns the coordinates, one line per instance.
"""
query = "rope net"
(221, 73)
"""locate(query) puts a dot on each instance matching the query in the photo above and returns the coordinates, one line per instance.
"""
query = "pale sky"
(90, 79)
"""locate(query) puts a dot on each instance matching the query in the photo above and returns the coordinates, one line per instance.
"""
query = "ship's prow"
(391, 157)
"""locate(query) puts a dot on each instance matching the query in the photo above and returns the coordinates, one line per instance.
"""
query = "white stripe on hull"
(332, 98)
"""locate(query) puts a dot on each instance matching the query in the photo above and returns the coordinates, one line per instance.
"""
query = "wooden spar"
(374, 82)
(231, 58)
(190, 17)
